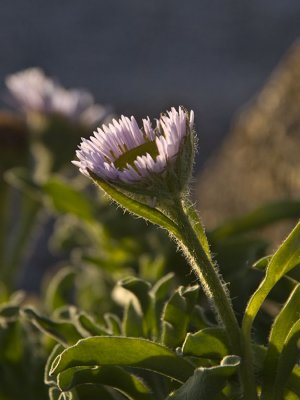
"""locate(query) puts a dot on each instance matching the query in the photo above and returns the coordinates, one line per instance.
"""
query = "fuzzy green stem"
(216, 291)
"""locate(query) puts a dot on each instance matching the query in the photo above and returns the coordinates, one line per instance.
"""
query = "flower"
(32, 91)
(122, 153)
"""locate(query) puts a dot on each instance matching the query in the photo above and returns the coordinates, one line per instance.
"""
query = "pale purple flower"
(32, 91)
(155, 148)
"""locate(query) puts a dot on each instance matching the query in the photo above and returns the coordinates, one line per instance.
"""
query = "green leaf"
(198, 319)
(284, 321)
(111, 376)
(90, 326)
(292, 276)
(4, 292)
(49, 380)
(259, 218)
(21, 179)
(140, 289)
(138, 318)
(152, 267)
(12, 344)
(113, 323)
(65, 198)
(262, 263)
(68, 396)
(142, 210)
(162, 287)
(133, 322)
(59, 289)
(288, 358)
(54, 393)
(293, 383)
(285, 259)
(290, 396)
(159, 293)
(14, 247)
(121, 351)
(92, 392)
(9, 312)
(65, 312)
(209, 342)
(176, 316)
(64, 332)
(175, 321)
(207, 383)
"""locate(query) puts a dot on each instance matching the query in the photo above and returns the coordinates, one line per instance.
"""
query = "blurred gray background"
(143, 56)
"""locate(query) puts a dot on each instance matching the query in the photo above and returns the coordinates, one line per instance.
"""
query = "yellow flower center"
(131, 155)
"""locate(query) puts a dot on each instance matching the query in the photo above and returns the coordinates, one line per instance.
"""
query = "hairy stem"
(215, 290)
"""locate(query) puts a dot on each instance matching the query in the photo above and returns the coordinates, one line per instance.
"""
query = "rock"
(259, 162)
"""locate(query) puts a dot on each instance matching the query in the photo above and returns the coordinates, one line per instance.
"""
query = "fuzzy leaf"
(285, 259)
(132, 322)
(66, 199)
(9, 312)
(113, 323)
(115, 377)
(21, 179)
(293, 383)
(207, 383)
(89, 325)
(209, 342)
(262, 263)
(198, 319)
(64, 332)
(12, 342)
(59, 289)
(292, 276)
(142, 210)
(91, 392)
(288, 358)
(159, 292)
(54, 393)
(162, 287)
(49, 380)
(176, 316)
(284, 321)
(140, 289)
(121, 351)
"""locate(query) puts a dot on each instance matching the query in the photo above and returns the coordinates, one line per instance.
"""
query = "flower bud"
(31, 91)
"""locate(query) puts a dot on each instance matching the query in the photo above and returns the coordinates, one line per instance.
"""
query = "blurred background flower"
(31, 91)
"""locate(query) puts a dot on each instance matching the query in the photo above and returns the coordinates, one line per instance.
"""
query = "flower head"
(32, 91)
(124, 154)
